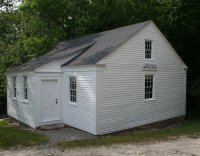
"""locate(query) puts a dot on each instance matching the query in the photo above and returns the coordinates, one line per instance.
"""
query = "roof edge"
(171, 47)
(148, 21)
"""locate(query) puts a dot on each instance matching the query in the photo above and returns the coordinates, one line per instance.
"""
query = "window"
(72, 82)
(148, 49)
(14, 87)
(148, 86)
(25, 88)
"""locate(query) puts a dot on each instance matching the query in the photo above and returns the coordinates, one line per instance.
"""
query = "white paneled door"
(50, 100)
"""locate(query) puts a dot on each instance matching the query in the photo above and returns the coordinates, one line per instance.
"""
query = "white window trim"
(14, 98)
(152, 50)
(147, 100)
(153, 96)
(70, 102)
(25, 100)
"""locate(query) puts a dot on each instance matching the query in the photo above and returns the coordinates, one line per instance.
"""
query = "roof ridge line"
(72, 39)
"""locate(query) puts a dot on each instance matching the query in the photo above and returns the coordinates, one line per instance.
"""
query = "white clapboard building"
(101, 83)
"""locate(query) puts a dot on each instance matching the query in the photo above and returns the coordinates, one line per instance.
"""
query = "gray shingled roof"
(89, 49)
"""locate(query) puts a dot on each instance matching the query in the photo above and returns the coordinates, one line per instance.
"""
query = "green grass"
(190, 127)
(12, 136)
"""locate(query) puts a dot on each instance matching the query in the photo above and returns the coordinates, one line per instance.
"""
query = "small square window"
(148, 49)
(72, 88)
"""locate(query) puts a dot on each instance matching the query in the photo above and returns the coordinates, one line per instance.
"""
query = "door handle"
(56, 100)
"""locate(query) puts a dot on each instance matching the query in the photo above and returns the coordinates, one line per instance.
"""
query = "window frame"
(14, 87)
(72, 89)
(25, 88)
(151, 50)
(153, 87)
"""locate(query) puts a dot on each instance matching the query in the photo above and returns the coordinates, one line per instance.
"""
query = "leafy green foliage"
(66, 15)
(195, 87)
(181, 24)
(38, 25)
(194, 90)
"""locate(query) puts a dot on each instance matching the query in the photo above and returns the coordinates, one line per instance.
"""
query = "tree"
(181, 24)
(37, 25)
(66, 15)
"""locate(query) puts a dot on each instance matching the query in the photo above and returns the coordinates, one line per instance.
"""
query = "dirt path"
(180, 147)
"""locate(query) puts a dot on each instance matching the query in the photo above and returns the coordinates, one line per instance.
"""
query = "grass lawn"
(190, 127)
(13, 136)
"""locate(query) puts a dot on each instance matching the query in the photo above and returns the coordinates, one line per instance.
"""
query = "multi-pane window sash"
(148, 86)
(72, 89)
(14, 87)
(25, 88)
(148, 49)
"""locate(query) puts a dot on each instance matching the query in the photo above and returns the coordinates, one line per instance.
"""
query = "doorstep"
(52, 126)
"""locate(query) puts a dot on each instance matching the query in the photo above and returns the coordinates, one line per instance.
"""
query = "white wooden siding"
(120, 84)
(83, 114)
(19, 108)
(54, 66)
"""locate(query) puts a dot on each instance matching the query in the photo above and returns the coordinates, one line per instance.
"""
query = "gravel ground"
(64, 134)
(180, 147)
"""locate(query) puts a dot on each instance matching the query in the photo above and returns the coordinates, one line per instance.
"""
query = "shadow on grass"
(190, 127)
